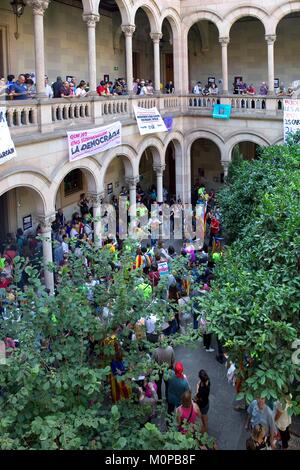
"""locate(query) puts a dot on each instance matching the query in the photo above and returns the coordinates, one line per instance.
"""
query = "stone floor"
(224, 423)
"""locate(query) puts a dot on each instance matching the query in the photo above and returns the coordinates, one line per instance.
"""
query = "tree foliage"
(54, 388)
(255, 301)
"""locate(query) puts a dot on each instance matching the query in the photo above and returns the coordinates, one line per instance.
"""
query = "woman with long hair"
(202, 398)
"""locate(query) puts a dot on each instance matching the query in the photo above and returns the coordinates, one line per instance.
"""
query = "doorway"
(169, 68)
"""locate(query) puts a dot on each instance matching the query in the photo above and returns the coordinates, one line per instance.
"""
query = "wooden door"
(136, 65)
(169, 68)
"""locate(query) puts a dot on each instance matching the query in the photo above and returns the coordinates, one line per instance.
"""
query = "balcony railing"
(46, 116)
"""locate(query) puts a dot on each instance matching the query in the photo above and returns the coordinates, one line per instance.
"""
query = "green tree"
(55, 391)
(255, 301)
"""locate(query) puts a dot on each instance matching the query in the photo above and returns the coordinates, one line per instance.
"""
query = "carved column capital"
(156, 37)
(159, 169)
(38, 6)
(132, 181)
(128, 29)
(270, 38)
(45, 221)
(95, 198)
(224, 41)
(90, 19)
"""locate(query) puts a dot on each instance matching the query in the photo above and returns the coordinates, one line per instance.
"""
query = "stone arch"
(152, 11)
(278, 141)
(128, 156)
(177, 140)
(237, 138)
(234, 15)
(204, 134)
(209, 15)
(88, 166)
(280, 12)
(92, 7)
(156, 146)
(173, 18)
(34, 182)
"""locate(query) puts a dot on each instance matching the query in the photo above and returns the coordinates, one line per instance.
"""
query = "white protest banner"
(149, 121)
(291, 117)
(7, 147)
(86, 143)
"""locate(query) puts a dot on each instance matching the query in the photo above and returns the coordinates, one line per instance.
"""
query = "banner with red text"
(89, 142)
(291, 117)
(7, 147)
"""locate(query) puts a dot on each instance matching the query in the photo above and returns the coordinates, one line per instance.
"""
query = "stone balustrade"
(46, 115)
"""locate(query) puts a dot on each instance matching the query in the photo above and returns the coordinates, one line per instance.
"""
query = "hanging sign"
(149, 121)
(86, 143)
(221, 111)
(291, 117)
(7, 147)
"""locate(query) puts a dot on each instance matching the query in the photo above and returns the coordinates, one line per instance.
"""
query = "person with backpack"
(187, 413)
(146, 259)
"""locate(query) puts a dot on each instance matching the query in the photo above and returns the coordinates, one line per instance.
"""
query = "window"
(73, 182)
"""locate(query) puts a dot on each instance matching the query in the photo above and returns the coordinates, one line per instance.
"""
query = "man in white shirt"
(197, 90)
(48, 89)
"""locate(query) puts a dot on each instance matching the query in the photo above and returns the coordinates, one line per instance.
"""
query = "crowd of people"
(239, 87)
(24, 87)
(182, 294)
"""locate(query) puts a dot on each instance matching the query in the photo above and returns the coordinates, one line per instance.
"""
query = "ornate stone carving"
(91, 20)
(224, 41)
(156, 37)
(270, 38)
(159, 169)
(45, 221)
(132, 181)
(128, 29)
(38, 6)
(95, 198)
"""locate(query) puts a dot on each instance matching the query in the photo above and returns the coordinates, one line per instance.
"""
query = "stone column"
(224, 44)
(91, 21)
(156, 37)
(38, 8)
(270, 41)
(96, 199)
(45, 223)
(128, 30)
(159, 182)
(225, 165)
(132, 182)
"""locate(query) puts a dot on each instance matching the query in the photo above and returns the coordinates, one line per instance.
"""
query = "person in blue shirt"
(18, 90)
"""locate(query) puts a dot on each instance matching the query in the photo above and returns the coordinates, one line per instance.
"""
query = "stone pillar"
(159, 182)
(270, 41)
(132, 182)
(38, 8)
(91, 21)
(96, 199)
(224, 44)
(156, 37)
(45, 223)
(128, 30)
(225, 165)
